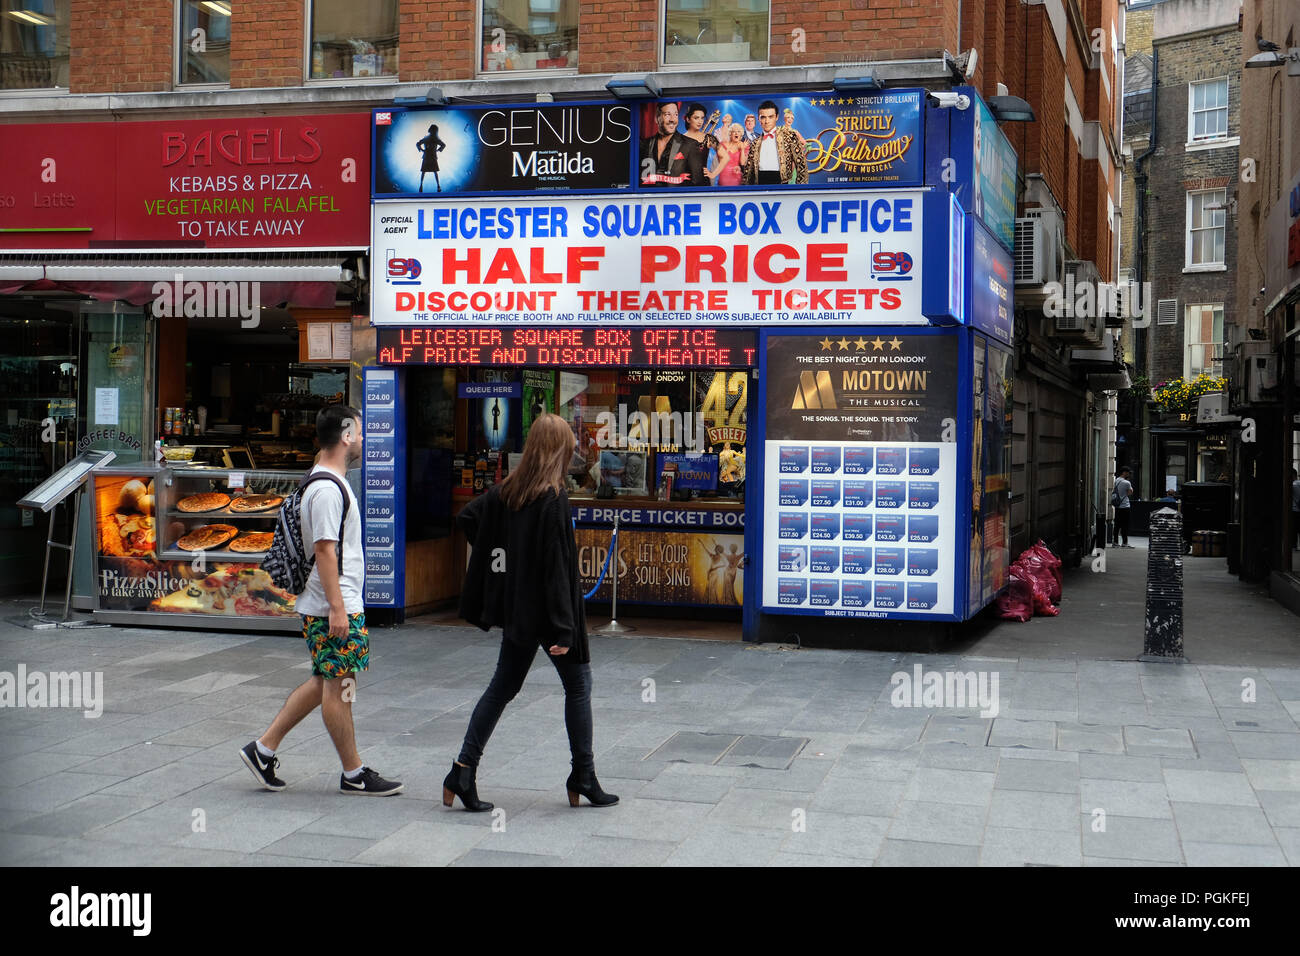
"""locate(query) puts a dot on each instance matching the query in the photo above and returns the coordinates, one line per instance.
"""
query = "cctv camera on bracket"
(946, 100)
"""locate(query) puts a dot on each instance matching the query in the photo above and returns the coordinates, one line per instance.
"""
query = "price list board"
(860, 489)
(383, 522)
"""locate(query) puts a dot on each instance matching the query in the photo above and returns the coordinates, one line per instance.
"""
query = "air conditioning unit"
(1039, 247)
(1261, 377)
(1213, 408)
(1237, 370)
(1080, 329)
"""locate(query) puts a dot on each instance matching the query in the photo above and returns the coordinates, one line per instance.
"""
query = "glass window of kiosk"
(666, 434)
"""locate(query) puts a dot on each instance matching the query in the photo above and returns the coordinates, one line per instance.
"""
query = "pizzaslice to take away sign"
(826, 257)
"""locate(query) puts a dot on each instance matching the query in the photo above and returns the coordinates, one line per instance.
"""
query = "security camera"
(947, 100)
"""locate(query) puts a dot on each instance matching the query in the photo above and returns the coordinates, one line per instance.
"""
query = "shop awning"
(300, 278)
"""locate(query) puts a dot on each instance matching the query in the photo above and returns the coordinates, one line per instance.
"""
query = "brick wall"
(616, 36)
(437, 40)
(857, 30)
(267, 43)
(115, 49)
(1173, 169)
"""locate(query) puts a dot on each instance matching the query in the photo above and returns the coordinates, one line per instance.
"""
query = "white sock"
(263, 750)
(353, 774)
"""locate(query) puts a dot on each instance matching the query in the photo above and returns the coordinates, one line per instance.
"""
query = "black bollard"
(1164, 618)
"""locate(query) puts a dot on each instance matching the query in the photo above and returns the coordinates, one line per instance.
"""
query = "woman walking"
(523, 576)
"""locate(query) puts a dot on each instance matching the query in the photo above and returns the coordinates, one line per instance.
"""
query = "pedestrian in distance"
(1119, 499)
(332, 610)
(1295, 509)
(523, 577)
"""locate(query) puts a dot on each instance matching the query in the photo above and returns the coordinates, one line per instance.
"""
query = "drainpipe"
(1140, 259)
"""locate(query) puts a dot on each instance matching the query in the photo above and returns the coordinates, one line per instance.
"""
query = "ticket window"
(654, 434)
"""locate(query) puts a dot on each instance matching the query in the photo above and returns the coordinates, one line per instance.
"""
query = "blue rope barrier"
(613, 546)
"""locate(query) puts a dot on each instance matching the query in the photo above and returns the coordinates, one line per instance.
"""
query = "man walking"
(333, 615)
(1119, 497)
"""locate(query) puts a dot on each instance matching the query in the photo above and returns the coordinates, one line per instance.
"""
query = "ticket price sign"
(381, 503)
(860, 475)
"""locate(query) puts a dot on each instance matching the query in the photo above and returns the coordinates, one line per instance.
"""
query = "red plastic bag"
(1033, 567)
(1030, 567)
(1053, 564)
(1016, 600)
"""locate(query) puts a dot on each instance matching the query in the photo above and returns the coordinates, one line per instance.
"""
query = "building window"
(1203, 337)
(529, 35)
(350, 39)
(712, 32)
(204, 41)
(1206, 218)
(34, 44)
(1207, 105)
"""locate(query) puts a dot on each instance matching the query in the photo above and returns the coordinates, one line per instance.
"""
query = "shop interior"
(671, 439)
(247, 398)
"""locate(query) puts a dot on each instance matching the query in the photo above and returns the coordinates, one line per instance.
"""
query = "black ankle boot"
(460, 783)
(586, 784)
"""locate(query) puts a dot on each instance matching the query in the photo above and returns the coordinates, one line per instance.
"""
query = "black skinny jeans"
(512, 667)
(1122, 516)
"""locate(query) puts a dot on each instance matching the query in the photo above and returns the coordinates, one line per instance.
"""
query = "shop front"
(789, 397)
(205, 266)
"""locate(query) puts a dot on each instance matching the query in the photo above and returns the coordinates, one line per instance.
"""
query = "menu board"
(379, 471)
(860, 476)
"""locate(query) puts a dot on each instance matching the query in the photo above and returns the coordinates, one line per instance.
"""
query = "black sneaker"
(262, 767)
(369, 784)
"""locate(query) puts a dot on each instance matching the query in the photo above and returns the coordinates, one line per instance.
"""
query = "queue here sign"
(689, 257)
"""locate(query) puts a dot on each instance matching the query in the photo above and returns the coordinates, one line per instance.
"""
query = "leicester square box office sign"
(263, 182)
(824, 257)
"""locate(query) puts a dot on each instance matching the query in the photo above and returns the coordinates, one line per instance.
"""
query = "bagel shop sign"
(263, 182)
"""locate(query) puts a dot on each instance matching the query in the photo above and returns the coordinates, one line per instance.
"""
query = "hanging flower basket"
(1178, 396)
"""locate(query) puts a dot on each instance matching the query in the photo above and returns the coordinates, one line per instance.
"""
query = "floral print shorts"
(333, 657)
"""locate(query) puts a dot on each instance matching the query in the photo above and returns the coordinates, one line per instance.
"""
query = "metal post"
(1163, 636)
(613, 627)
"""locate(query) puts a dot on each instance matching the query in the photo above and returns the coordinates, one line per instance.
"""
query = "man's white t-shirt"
(322, 509)
(1123, 487)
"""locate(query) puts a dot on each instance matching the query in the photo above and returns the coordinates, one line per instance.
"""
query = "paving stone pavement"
(749, 755)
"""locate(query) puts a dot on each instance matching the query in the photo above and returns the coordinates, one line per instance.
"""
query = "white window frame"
(46, 90)
(481, 73)
(385, 80)
(1219, 139)
(661, 37)
(1213, 347)
(1189, 230)
(178, 24)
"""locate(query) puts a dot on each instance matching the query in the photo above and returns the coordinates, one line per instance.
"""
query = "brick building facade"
(1263, 377)
(1060, 55)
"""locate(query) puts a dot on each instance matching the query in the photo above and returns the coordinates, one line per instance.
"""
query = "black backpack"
(287, 563)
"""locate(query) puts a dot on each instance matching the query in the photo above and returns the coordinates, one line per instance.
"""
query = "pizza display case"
(224, 515)
(179, 546)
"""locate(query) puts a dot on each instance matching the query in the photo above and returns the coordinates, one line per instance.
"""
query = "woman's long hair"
(546, 460)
